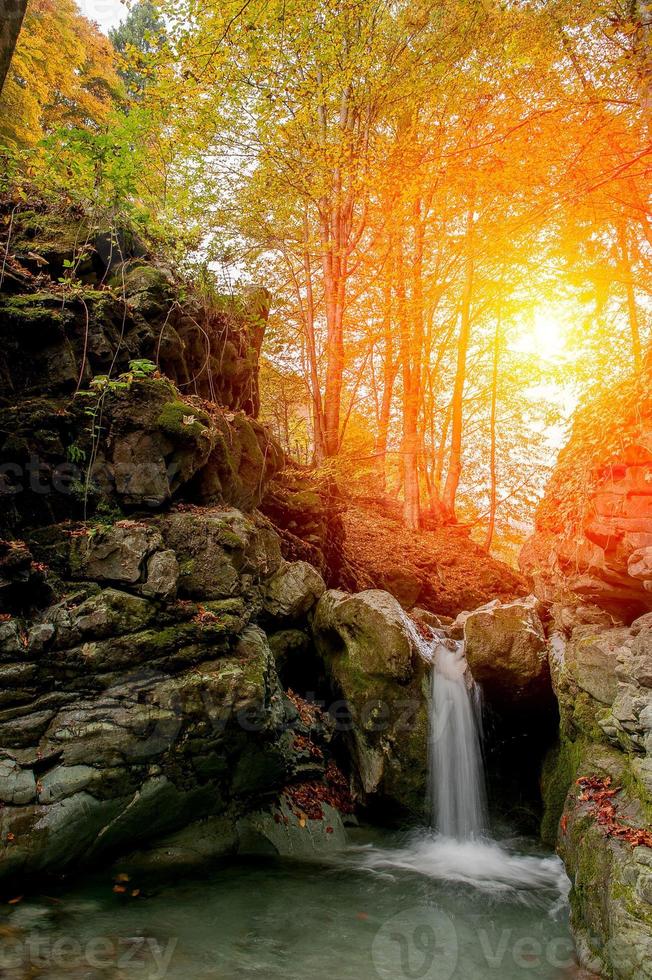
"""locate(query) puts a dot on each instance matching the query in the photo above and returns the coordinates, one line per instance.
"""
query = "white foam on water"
(480, 863)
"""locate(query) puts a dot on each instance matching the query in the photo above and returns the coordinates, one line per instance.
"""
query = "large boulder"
(505, 645)
(292, 590)
(221, 552)
(372, 655)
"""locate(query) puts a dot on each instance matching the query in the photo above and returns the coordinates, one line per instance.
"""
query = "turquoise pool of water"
(394, 908)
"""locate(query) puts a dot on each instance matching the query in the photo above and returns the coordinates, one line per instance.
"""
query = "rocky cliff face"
(590, 562)
(598, 791)
(158, 662)
(593, 538)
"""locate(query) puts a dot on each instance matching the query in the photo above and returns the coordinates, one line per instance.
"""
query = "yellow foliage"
(63, 73)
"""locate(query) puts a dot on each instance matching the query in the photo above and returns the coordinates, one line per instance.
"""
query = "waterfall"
(457, 847)
(457, 786)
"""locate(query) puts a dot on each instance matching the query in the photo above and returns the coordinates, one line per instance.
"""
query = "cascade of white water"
(457, 786)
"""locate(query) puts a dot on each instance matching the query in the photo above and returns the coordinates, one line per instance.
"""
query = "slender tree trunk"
(12, 13)
(334, 345)
(317, 407)
(390, 370)
(492, 438)
(441, 453)
(626, 267)
(411, 334)
(457, 410)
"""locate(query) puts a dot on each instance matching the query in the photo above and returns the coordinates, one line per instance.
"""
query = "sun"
(543, 332)
(548, 333)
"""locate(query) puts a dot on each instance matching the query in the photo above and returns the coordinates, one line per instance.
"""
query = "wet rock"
(162, 575)
(505, 646)
(293, 590)
(192, 848)
(601, 680)
(370, 650)
(115, 554)
(284, 832)
(17, 786)
(151, 751)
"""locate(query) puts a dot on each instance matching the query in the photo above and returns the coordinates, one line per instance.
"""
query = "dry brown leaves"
(307, 799)
(304, 744)
(598, 792)
(308, 712)
(204, 616)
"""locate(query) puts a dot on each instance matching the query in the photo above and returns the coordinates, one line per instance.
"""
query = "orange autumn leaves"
(599, 794)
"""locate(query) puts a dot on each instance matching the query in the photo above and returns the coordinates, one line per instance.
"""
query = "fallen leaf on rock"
(597, 792)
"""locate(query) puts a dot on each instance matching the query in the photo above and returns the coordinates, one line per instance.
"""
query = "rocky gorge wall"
(167, 653)
(590, 562)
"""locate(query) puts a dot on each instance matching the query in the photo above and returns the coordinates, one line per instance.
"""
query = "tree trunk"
(411, 334)
(317, 408)
(457, 411)
(12, 13)
(492, 440)
(390, 370)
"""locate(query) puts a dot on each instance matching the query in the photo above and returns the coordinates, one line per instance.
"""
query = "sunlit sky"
(107, 13)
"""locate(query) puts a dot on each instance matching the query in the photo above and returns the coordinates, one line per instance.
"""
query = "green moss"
(591, 863)
(560, 770)
(580, 713)
(173, 421)
(634, 788)
(230, 539)
(186, 568)
(47, 232)
(34, 309)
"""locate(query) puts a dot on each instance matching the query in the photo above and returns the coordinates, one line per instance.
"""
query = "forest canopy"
(448, 200)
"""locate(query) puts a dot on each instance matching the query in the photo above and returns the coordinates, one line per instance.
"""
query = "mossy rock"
(181, 421)
(372, 660)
